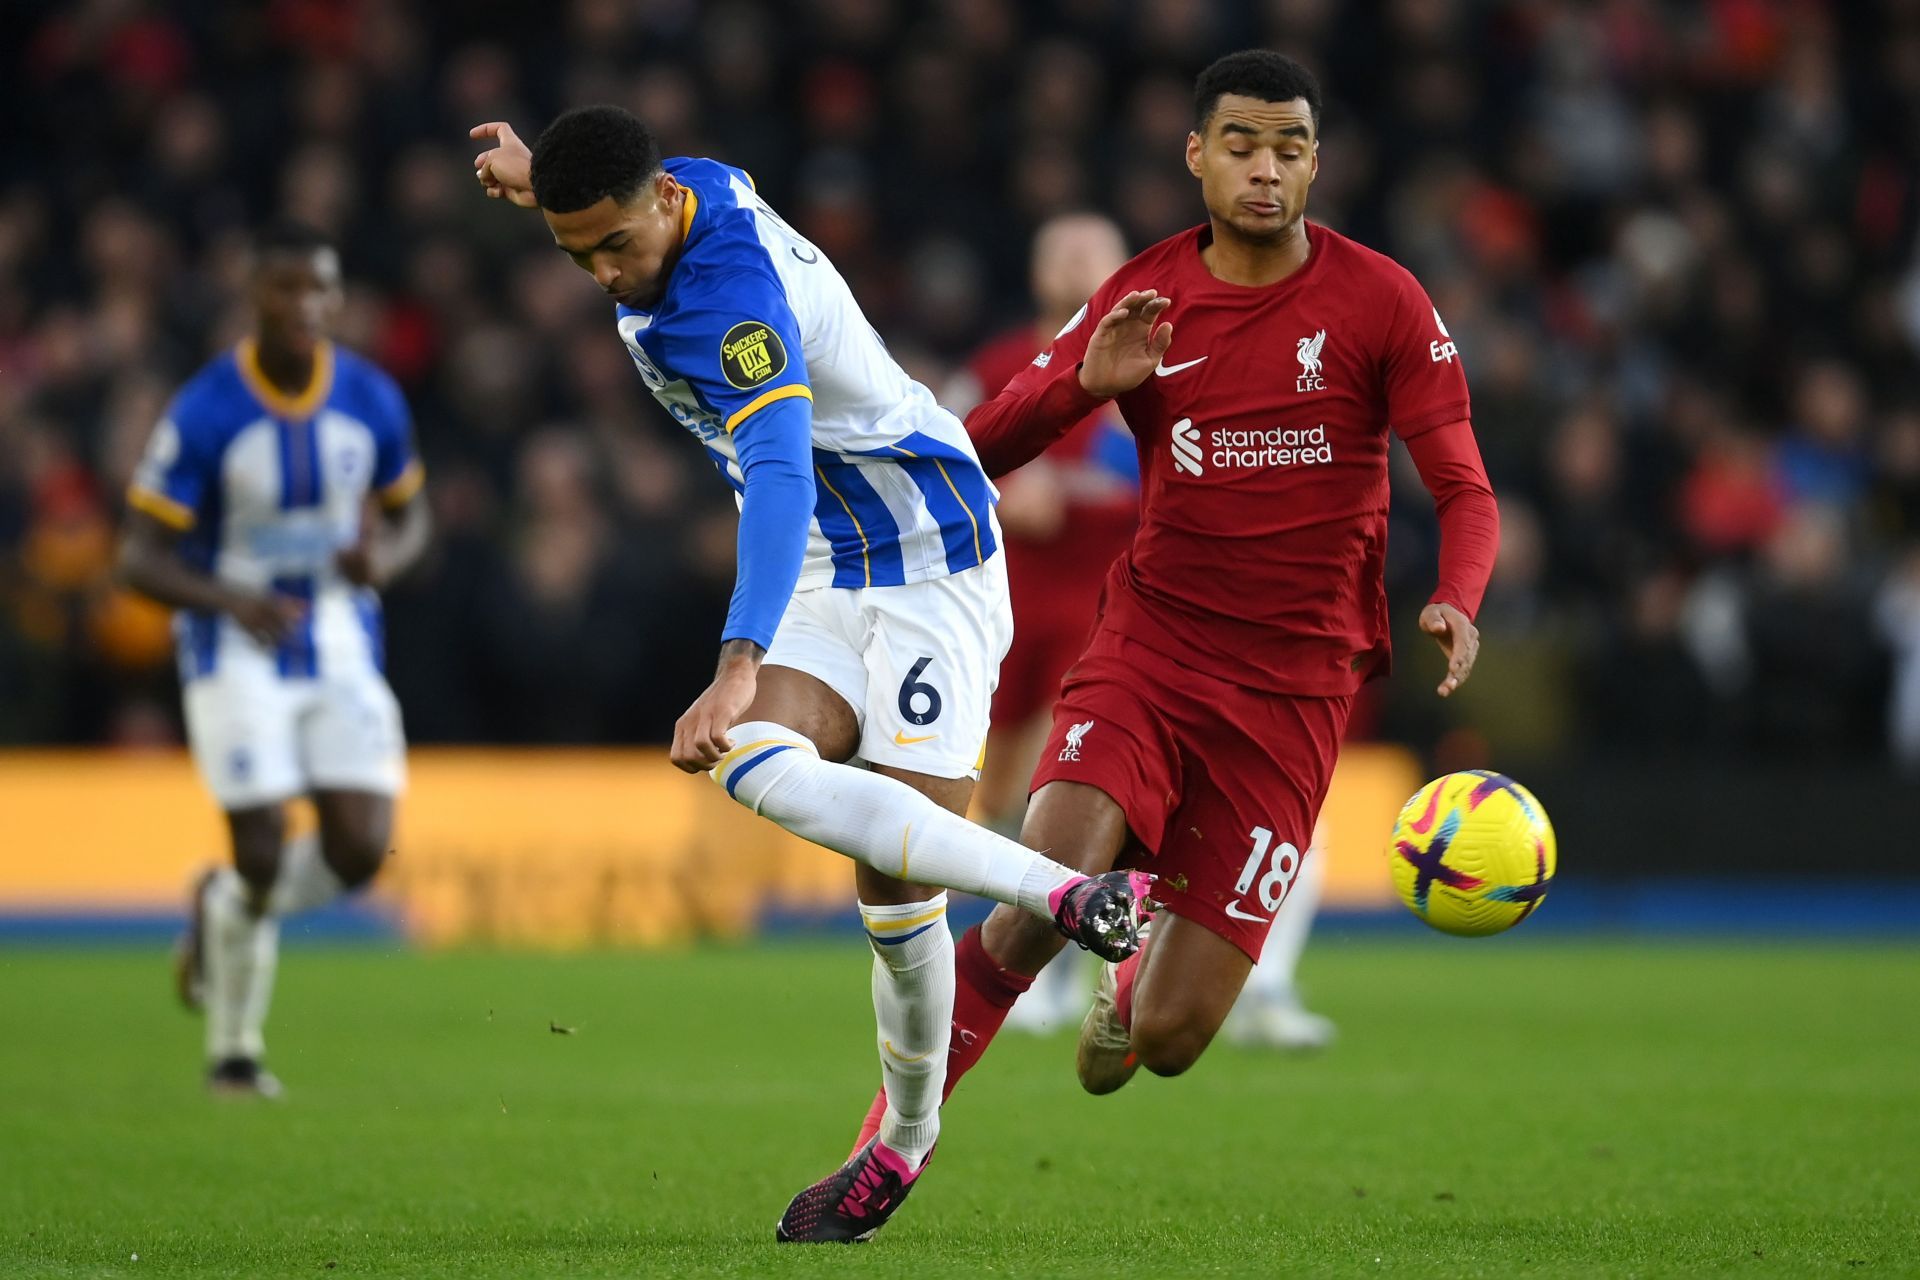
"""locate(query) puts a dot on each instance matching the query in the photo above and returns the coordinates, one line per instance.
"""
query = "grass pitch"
(1492, 1108)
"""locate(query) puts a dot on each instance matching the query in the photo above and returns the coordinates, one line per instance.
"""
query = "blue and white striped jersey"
(268, 489)
(754, 314)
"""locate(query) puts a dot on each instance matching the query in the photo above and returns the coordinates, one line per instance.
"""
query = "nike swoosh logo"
(1163, 369)
(900, 738)
(1233, 909)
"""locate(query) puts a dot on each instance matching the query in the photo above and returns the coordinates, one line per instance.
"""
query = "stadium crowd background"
(1674, 242)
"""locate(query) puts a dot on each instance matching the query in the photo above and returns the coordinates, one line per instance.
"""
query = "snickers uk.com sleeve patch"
(751, 353)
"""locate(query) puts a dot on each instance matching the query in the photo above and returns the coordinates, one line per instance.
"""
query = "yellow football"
(1472, 853)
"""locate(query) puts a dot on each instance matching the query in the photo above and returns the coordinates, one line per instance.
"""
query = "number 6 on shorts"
(912, 687)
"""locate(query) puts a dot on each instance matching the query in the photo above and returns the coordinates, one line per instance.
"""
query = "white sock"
(1272, 978)
(305, 880)
(881, 821)
(913, 1008)
(241, 951)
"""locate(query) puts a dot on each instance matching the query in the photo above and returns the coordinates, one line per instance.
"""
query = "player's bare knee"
(355, 856)
(257, 836)
(1076, 825)
(1168, 1042)
(257, 866)
(875, 888)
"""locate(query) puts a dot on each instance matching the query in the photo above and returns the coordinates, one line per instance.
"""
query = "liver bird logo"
(1309, 354)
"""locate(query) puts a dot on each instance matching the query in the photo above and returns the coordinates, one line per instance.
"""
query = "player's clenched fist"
(1457, 637)
(1126, 345)
(700, 735)
(506, 168)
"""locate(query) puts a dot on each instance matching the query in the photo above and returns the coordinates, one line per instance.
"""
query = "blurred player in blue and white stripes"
(870, 611)
(249, 515)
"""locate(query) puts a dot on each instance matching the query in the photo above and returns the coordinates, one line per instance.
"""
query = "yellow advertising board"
(548, 848)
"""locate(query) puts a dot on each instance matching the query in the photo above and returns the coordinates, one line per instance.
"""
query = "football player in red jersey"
(1067, 515)
(1260, 361)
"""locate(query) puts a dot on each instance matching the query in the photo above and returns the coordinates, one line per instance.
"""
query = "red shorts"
(1221, 784)
(1045, 643)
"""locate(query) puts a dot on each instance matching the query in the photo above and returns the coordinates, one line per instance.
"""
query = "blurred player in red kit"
(1261, 361)
(1067, 515)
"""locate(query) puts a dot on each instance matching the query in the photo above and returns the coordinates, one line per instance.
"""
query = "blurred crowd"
(1675, 243)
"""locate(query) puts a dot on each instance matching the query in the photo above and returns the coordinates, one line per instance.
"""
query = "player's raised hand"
(1126, 345)
(700, 735)
(506, 168)
(1457, 637)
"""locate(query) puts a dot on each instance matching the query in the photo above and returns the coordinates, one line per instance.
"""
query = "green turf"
(1492, 1108)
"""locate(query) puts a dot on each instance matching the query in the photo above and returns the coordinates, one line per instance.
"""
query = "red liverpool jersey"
(1262, 439)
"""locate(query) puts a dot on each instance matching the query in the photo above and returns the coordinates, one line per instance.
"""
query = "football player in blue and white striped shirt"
(249, 515)
(870, 609)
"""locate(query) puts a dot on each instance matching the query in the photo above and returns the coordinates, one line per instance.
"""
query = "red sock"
(982, 994)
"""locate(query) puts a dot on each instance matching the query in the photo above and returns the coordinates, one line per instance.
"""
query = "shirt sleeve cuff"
(1063, 395)
(175, 515)
(1453, 597)
(400, 490)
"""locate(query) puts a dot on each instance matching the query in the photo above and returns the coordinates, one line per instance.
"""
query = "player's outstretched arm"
(1079, 372)
(505, 169)
(1448, 459)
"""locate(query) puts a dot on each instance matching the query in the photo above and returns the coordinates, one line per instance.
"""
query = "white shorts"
(259, 739)
(917, 663)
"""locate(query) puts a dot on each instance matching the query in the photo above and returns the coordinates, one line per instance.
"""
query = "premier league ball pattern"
(1472, 853)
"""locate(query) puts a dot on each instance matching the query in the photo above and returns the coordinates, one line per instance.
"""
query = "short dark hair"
(590, 153)
(1254, 73)
(283, 235)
